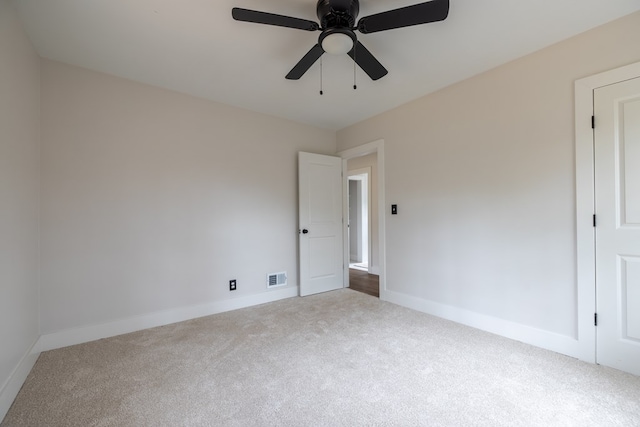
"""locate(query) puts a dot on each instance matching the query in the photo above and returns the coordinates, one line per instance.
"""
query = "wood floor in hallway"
(362, 281)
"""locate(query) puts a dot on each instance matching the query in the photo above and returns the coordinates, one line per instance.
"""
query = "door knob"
(305, 231)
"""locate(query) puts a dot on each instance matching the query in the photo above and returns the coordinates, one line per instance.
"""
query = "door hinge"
(595, 319)
(594, 220)
(593, 122)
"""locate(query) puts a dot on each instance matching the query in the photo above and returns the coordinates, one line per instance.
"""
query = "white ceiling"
(195, 47)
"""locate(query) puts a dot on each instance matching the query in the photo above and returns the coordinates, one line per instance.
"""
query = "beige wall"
(370, 161)
(153, 200)
(19, 144)
(483, 173)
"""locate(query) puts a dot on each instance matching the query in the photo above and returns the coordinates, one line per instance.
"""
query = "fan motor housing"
(337, 13)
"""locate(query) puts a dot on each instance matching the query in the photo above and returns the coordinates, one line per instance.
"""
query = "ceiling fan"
(338, 25)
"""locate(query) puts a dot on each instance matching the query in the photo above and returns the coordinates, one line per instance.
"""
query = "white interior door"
(320, 222)
(617, 171)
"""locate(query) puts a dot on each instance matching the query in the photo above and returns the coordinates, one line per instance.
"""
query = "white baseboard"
(12, 386)
(124, 326)
(540, 338)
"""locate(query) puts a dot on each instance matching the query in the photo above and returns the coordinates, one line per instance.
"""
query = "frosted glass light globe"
(337, 43)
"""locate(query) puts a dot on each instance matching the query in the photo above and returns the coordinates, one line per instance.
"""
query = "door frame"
(585, 202)
(359, 151)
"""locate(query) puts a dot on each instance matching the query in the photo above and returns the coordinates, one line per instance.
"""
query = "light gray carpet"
(335, 359)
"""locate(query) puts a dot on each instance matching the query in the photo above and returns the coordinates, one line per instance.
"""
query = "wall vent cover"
(276, 279)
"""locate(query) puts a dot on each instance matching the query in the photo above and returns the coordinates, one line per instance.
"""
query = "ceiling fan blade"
(423, 13)
(367, 62)
(305, 63)
(257, 17)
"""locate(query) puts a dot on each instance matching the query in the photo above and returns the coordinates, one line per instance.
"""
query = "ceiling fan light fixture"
(338, 23)
(337, 43)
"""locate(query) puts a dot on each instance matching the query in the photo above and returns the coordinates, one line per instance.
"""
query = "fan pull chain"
(321, 93)
(354, 67)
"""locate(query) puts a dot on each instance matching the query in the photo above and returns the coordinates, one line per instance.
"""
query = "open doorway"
(359, 214)
(363, 244)
(376, 265)
(359, 223)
